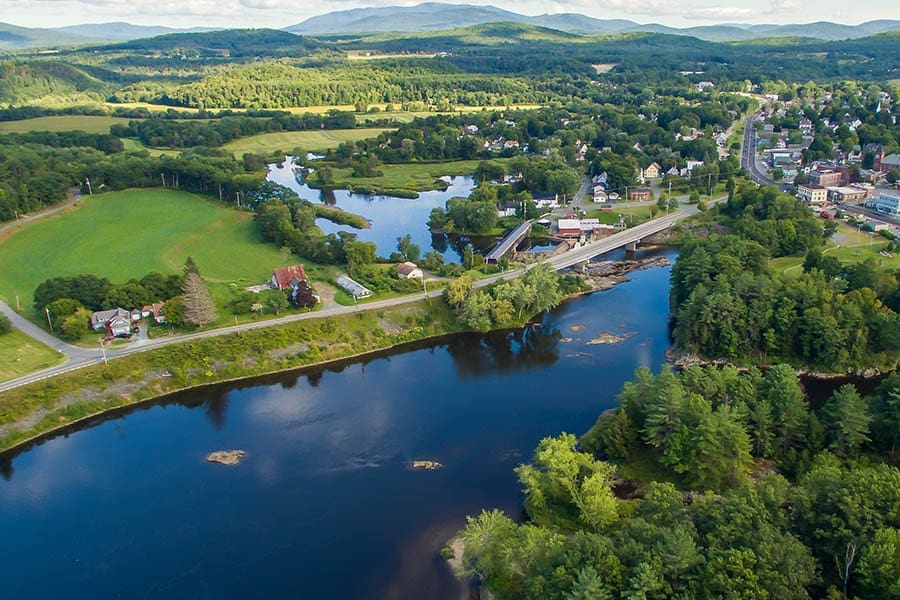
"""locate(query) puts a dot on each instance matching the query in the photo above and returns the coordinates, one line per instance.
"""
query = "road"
(748, 153)
(74, 197)
(81, 357)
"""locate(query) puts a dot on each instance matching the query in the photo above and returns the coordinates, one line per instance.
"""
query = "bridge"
(628, 238)
(508, 243)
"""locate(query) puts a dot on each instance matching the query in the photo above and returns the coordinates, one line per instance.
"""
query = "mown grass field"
(855, 246)
(312, 141)
(127, 234)
(19, 354)
(411, 176)
(133, 144)
(89, 124)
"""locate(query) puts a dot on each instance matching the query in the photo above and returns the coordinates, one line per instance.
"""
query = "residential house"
(652, 172)
(702, 86)
(812, 194)
(408, 270)
(293, 279)
(599, 194)
(156, 311)
(117, 322)
(471, 129)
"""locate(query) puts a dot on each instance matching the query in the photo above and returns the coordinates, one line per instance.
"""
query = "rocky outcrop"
(226, 457)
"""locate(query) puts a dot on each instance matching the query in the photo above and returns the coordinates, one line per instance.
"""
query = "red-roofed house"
(293, 278)
(282, 277)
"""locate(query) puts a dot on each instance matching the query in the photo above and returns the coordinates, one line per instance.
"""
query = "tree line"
(820, 517)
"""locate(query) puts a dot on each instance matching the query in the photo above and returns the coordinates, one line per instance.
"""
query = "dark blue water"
(324, 504)
(390, 217)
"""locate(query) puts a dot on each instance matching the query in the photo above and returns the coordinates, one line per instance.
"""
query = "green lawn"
(411, 176)
(126, 234)
(133, 144)
(312, 141)
(856, 246)
(63, 123)
(19, 354)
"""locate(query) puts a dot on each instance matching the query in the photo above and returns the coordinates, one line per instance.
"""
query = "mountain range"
(431, 16)
(435, 16)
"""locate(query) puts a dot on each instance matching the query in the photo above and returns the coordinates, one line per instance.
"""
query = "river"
(390, 217)
(323, 504)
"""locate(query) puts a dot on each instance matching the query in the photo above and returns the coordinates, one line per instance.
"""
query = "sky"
(281, 13)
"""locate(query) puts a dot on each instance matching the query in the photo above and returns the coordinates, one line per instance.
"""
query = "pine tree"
(191, 267)
(846, 417)
(199, 308)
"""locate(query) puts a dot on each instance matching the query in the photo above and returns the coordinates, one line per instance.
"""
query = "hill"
(13, 37)
(434, 16)
(29, 82)
(119, 31)
(233, 43)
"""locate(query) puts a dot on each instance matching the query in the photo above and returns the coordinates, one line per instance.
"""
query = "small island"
(226, 457)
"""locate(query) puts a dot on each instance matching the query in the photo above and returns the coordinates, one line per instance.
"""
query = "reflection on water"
(390, 217)
(324, 503)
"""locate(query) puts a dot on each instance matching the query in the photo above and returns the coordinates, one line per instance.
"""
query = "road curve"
(81, 357)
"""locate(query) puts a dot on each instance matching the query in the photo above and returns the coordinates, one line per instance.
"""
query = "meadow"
(89, 124)
(121, 235)
(312, 141)
(408, 176)
(19, 355)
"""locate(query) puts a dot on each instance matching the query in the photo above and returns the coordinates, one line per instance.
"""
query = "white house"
(408, 270)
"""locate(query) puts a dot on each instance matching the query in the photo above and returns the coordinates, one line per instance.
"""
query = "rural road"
(81, 357)
(74, 197)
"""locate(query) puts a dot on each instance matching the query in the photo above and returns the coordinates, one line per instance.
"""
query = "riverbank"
(34, 412)
(31, 413)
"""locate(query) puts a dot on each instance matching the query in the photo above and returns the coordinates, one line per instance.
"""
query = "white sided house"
(116, 322)
(408, 270)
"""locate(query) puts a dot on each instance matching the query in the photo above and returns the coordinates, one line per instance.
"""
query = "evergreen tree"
(199, 308)
(846, 420)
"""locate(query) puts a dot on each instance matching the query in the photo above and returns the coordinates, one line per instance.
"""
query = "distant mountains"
(13, 37)
(436, 16)
(432, 16)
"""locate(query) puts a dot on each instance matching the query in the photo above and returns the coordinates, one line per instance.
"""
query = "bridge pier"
(632, 247)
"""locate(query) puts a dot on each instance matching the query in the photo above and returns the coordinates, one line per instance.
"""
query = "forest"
(754, 493)
(728, 304)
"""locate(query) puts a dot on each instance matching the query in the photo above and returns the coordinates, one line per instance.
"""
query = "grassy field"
(19, 354)
(855, 246)
(412, 176)
(133, 144)
(126, 234)
(313, 141)
(63, 123)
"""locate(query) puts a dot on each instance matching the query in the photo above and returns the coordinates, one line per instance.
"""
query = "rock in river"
(226, 457)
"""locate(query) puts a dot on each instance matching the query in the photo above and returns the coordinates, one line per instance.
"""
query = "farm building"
(357, 290)
(409, 270)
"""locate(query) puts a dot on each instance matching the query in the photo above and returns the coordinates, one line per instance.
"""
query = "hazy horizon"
(277, 14)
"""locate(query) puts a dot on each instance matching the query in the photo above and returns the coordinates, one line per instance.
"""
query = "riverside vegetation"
(741, 488)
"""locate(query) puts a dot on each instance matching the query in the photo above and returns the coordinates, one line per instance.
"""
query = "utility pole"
(49, 322)
(103, 352)
(88, 182)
